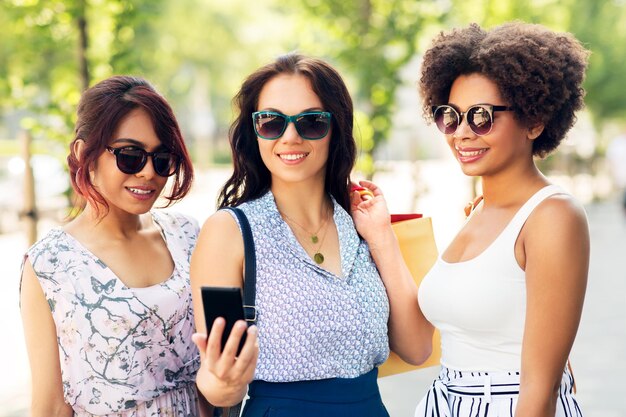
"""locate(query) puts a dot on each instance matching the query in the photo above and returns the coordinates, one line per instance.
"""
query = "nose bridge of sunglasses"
(291, 129)
(158, 163)
(464, 127)
(148, 167)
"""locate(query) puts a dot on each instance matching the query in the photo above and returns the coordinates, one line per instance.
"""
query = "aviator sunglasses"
(131, 160)
(310, 125)
(479, 118)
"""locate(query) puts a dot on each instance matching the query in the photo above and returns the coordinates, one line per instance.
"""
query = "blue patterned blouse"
(312, 323)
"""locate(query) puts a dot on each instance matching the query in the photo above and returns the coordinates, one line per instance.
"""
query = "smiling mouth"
(471, 153)
(293, 156)
(139, 191)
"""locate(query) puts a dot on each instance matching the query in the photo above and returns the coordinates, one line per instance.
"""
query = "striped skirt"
(486, 394)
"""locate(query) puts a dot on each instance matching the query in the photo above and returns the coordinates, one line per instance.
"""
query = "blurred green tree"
(198, 52)
(37, 60)
(600, 25)
(195, 51)
(372, 40)
(53, 49)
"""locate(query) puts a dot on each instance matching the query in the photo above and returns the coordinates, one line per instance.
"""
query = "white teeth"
(138, 191)
(293, 157)
(471, 153)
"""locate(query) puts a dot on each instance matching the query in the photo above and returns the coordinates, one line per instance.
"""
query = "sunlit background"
(197, 53)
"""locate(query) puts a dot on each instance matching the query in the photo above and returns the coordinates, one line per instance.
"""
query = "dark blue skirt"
(335, 397)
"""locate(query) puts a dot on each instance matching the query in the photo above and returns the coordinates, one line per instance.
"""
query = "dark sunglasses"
(479, 118)
(131, 160)
(310, 125)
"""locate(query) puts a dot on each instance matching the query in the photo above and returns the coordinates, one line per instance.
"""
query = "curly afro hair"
(538, 72)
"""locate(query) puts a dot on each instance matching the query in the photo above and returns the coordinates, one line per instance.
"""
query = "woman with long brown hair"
(322, 309)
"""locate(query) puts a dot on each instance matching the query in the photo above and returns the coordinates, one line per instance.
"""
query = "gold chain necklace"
(318, 256)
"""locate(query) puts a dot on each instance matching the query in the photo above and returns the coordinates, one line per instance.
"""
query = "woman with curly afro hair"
(507, 294)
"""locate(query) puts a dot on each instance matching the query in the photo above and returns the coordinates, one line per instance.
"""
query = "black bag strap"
(249, 283)
(249, 274)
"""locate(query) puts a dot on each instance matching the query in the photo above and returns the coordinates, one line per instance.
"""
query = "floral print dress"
(124, 352)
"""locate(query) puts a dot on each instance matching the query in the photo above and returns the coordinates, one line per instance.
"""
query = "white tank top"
(479, 305)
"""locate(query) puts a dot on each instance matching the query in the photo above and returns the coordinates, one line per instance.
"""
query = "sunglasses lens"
(313, 125)
(165, 163)
(269, 125)
(446, 119)
(479, 120)
(131, 161)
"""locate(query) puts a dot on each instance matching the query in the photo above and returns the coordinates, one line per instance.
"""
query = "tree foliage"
(197, 52)
(37, 60)
(191, 49)
(600, 25)
(52, 51)
(372, 40)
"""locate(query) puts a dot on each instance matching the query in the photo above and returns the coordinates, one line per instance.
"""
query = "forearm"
(50, 409)
(542, 371)
(410, 333)
(385, 251)
(537, 399)
(541, 376)
(47, 398)
(411, 339)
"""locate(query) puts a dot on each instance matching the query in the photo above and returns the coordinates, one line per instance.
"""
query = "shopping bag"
(417, 244)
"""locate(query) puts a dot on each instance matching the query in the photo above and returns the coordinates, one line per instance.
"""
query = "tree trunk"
(83, 44)
(29, 209)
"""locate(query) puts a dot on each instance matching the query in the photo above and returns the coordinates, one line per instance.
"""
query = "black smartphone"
(223, 302)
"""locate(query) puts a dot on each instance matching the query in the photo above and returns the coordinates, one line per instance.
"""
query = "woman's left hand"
(370, 215)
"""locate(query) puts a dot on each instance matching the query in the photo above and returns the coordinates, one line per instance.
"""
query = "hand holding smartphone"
(223, 302)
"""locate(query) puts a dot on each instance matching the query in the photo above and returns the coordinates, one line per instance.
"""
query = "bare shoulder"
(29, 284)
(559, 213)
(558, 222)
(35, 310)
(220, 224)
(218, 256)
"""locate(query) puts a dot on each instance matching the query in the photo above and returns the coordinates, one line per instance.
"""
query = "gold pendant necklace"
(318, 257)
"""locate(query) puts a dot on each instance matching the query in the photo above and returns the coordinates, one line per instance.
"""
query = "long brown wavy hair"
(251, 178)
